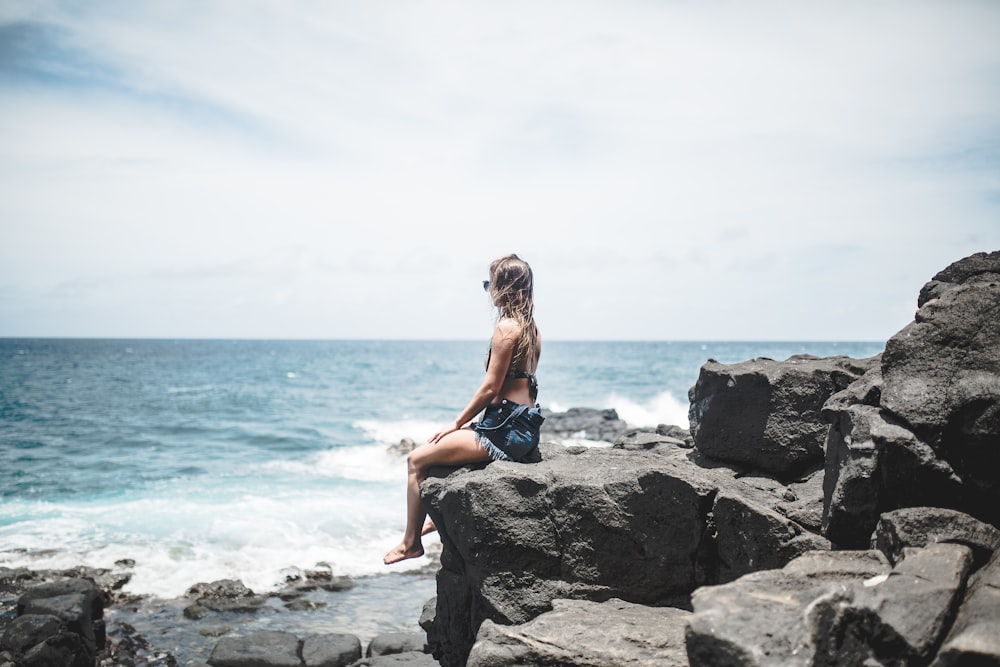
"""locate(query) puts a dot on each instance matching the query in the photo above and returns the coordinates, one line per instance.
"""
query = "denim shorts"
(510, 431)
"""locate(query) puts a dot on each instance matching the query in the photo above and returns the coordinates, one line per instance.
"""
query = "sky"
(672, 170)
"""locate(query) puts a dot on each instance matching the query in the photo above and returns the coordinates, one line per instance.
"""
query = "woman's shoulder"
(508, 327)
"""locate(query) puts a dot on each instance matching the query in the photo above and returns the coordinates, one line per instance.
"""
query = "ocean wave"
(176, 542)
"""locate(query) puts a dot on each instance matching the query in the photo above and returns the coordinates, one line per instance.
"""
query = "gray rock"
(766, 414)
(941, 379)
(411, 659)
(898, 621)
(919, 526)
(577, 632)
(225, 595)
(647, 527)
(397, 642)
(974, 638)
(332, 650)
(65, 649)
(427, 614)
(757, 620)
(78, 602)
(29, 629)
(645, 440)
(586, 423)
(259, 649)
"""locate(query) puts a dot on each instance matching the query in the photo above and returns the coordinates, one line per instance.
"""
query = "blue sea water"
(211, 459)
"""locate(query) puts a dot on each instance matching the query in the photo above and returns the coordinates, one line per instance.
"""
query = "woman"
(509, 430)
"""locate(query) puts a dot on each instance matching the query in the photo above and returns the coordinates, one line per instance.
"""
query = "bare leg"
(456, 448)
(429, 527)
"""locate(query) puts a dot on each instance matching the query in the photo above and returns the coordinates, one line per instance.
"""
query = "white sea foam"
(177, 540)
(391, 432)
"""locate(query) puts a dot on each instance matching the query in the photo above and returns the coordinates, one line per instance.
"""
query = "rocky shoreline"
(821, 511)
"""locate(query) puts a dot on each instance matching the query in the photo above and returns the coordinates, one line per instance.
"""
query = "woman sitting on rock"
(509, 428)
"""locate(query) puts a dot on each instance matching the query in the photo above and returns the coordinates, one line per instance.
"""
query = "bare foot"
(401, 553)
(429, 527)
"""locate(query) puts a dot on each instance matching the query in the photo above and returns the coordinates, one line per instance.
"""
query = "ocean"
(252, 459)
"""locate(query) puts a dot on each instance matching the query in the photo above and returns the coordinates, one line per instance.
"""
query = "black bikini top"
(517, 375)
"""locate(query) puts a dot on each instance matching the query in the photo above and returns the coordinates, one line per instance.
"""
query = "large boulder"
(832, 608)
(923, 429)
(765, 414)
(646, 527)
(974, 639)
(941, 379)
(64, 618)
(576, 632)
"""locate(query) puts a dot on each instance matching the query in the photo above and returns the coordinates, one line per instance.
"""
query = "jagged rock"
(758, 619)
(941, 379)
(225, 595)
(585, 423)
(832, 608)
(427, 614)
(577, 632)
(332, 650)
(974, 638)
(639, 439)
(915, 527)
(898, 621)
(644, 526)
(77, 602)
(29, 629)
(397, 642)
(766, 414)
(260, 649)
(411, 659)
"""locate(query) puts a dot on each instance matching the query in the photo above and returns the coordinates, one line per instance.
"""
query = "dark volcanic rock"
(397, 642)
(576, 632)
(333, 650)
(766, 414)
(975, 637)
(259, 649)
(225, 595)
(646, 527)
(941, 379)
(586, 423)
(915, 527)
(924, 429)
(77, 602)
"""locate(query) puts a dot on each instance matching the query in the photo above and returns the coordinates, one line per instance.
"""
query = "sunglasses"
(486, 286)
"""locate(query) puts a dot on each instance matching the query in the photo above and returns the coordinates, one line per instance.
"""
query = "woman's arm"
(504, 336)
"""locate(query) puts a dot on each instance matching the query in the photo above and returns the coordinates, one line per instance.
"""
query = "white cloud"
(672, 170)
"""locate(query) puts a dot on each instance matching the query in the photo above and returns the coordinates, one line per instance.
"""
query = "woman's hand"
(451, 428)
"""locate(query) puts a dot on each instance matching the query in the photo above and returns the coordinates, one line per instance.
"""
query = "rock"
(260, 649)
(585, 423)
(753, 537)
(915, 527)
(403, 447)
(898, 621)
(832, 608)
(766, 414)
(411, 659)
(427, 615)
(941, 380)
(332, 650)
(77, 602)
(974, 638)
(397, 642)
(29, 629)
(758, 619)
(638, 439)
(578, 632)
(225, 595)
(647, 527)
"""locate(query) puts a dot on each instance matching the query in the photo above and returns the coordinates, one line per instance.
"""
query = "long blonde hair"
(512, 291)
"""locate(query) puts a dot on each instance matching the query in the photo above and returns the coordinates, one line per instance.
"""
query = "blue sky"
(672, 170)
